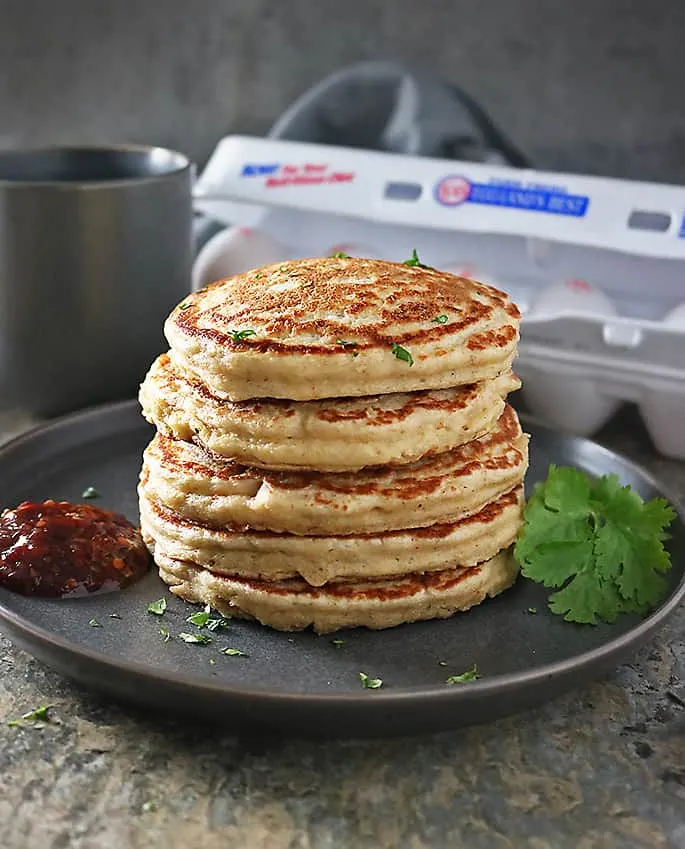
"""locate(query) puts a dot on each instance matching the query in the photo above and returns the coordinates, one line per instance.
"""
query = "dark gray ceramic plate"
(303, 684)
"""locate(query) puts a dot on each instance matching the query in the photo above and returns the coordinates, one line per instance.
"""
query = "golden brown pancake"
(333, 435)
(331, 328)
(204, 487)
(318, 559)
(294, 605)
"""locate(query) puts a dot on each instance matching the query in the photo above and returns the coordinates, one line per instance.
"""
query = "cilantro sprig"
(597, 543)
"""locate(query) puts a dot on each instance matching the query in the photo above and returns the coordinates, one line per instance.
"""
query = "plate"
(303, 684)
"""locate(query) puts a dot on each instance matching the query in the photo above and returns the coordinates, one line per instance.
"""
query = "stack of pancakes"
(334, 447)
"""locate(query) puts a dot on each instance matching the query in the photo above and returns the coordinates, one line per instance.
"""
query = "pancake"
(294, 605)
(206, 488)
(331, 328)
(332, 435)
(266, 555)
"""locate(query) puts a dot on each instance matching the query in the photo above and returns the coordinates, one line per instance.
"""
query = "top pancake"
(330, 327)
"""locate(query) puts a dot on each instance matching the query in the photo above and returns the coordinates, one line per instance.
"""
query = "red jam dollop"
(54, 548)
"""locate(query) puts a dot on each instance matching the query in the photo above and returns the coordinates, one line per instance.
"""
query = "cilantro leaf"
(157, 607)
(370, 683)
(597, 542)
(239, 335)
(402, 354)
(340, 255)
(39, 714)
(90, 492)
(199, 639)
(440, 319)
(469, 675)
(200, 618)
(233, 652)
(415, 262)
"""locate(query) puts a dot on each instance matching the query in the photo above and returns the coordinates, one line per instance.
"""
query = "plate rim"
(496, 684)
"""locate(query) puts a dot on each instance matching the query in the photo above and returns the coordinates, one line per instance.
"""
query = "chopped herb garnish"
(90, 492)
(338, 643)
(148, 807)
(402, 354)
(204, 619)
(94, 623)
(415, 262)
(340, 255)
(469, 675)
(200, 639)
(440, 319)
(114, 616)
(212, 662)
(239, 335)
(39, 714)
(370, 683)
(199, 619)
(157, 607)
(185, 307)
(532, 610)
(282, 269)
(234, 652)
(165, 633)
(258, 275)
(344, 344)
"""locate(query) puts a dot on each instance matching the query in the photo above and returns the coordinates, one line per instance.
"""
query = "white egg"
(571, 296)
(233, 251)
(676, 317)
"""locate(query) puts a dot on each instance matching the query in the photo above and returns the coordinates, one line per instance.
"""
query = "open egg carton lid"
(596, 265)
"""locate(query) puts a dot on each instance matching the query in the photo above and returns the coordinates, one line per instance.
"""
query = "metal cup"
(95, 249)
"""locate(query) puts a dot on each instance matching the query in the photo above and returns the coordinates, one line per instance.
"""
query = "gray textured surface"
(602, 767)
(582, 86)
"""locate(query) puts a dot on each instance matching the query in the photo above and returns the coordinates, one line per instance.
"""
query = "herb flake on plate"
(469, 675)
(370, 683)
(233, 652)
(158, 607)
(198, 639)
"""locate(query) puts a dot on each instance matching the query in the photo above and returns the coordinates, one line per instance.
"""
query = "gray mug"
(95, 250)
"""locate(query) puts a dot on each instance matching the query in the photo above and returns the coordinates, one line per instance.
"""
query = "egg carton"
(597, 266)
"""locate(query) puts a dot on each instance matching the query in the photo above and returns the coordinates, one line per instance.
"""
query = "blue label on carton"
(455, 190)
(681, 232)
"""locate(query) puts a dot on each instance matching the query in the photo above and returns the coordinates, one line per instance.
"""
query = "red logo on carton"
(453, 190)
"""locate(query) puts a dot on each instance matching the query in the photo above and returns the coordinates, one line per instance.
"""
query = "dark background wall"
(579, 85)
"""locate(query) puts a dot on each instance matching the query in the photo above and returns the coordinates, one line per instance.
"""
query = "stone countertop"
(601, 767)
